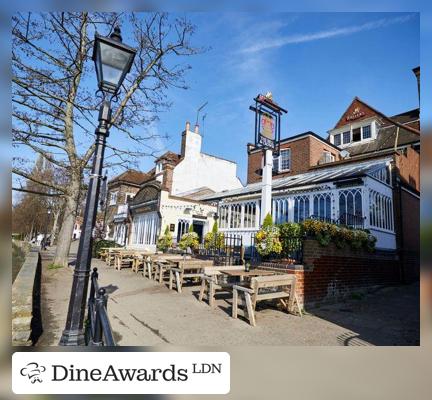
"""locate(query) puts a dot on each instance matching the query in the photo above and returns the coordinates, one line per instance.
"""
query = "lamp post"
(113, 60)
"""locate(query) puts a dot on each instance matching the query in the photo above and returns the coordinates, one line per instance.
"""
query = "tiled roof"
(170, 157)
(130, 176)
(386, 139)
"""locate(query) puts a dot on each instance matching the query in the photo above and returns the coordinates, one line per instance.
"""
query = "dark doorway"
(198, 227)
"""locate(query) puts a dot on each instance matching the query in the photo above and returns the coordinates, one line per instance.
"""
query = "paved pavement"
(145, 313)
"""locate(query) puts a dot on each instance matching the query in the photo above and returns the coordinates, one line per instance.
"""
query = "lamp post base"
(72, 338)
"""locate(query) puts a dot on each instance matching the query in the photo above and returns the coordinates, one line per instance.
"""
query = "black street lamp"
(113, 60)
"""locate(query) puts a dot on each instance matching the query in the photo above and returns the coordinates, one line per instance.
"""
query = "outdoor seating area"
(244, 286)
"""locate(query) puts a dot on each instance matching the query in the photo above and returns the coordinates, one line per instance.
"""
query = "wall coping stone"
(22, 299)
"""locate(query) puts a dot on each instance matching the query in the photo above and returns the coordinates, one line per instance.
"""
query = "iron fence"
(351, 220)
(99, 331)
(292, 251)
(230, 251)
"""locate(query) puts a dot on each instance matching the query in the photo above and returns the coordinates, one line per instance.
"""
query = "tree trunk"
(67, 225)
(54, 227)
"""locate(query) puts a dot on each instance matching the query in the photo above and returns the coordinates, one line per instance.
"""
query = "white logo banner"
(120, 372)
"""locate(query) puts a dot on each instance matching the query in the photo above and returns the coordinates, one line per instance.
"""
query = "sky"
(313, 63)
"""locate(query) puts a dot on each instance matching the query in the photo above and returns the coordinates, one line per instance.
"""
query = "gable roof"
(130, 176)
(370, 111)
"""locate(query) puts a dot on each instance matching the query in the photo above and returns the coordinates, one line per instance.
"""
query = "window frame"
(280, 169)
(370, 132)
(115, 196)
(343, 137)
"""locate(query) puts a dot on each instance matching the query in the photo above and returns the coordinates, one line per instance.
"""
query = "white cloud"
(270, 43)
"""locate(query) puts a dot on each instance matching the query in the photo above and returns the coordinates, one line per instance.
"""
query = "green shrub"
(189, 239)
(165, 242)
(102, 243)
(267, 238)
(214, 239)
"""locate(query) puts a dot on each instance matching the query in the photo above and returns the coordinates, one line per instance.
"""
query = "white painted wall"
(172, 209)
(198, 170)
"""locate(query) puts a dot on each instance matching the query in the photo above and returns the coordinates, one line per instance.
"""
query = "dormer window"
(366, 132)
(356, 137)
(346, 137)
(355, 133)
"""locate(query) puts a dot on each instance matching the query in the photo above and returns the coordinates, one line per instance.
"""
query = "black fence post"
(100, 302)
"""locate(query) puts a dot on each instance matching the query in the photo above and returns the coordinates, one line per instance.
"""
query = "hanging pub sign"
(267, 122)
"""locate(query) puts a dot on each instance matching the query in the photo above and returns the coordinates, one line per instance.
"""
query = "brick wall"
(121, 190)
(305, 153)
(408, 165)
(329, 274)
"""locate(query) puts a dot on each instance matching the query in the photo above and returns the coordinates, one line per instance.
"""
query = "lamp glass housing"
(113, 60)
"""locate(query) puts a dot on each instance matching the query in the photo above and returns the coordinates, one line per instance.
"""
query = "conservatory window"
(280, 210)
(223, 217)
(322, 206)
(350, 208)
(235, 216)
(249, 216)
(301, 208)
(381, 210)
(383, 175)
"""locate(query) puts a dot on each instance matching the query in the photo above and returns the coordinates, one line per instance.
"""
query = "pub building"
(364, 174)
(141, 205)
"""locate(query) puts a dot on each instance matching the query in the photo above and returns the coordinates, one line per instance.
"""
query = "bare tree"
(53, 98)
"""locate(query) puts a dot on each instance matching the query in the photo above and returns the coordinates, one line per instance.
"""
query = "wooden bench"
(278, 290)
(164, 262)
(186, 269)
(110, 255)
(211, 280)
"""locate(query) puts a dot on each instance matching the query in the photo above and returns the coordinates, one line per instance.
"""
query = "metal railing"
(292, 251)
(230, 252)
(99, 331)
(351, 220)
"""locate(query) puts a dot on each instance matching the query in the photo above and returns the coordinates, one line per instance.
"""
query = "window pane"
(285, 160)
(346, 137)
(366, 132)
(356, 135)
(337, 139)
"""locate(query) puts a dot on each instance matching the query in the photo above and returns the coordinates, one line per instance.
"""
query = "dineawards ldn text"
(113, 374)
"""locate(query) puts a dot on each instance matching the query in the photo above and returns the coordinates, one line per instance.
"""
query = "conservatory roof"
(322, 175)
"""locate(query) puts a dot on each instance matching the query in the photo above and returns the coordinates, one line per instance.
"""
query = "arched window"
(322, 206)
(381, 210)
(350, 208)
(301, 208)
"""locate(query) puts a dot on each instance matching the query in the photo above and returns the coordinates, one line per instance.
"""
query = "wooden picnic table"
(241, 273)
(163, 264)
(186, 269)
(127, 256)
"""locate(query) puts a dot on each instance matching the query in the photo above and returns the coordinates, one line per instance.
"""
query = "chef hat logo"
(33, 371)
